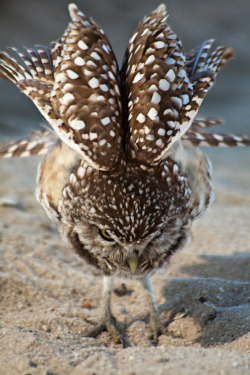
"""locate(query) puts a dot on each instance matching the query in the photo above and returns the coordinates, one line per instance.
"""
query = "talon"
(97, 330)
(108, 325)
(108, 321)
(156, 328)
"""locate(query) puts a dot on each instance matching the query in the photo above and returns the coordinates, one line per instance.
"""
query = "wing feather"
(37, 143)
(76, 87)
(163, 88)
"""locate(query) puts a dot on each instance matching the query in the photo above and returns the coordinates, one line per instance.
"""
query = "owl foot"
(155, 326)
(108, 321)
(108, 324)
(154, 320)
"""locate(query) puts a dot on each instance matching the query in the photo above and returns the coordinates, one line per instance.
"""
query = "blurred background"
(30, 22)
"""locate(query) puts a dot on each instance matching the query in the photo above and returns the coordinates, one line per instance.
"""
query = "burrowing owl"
(115, 177)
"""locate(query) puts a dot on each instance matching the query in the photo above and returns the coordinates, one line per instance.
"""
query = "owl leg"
(155, 323)
(108, 322)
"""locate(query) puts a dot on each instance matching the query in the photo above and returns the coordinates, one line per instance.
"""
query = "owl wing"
(34, 76)
(75, 86)
(163, 89)
(196, 136)
(37, 143)
(86, 94)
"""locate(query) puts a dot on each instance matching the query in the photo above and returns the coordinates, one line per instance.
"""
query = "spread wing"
(163, 88)
(75, 86)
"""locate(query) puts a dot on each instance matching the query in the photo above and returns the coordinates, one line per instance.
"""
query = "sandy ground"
(50, 298)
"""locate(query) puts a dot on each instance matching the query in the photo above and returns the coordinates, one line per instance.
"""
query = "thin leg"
(155, 322)
(107, 287)
(107, 322)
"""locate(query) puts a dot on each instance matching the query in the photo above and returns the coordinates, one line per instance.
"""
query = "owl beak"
(133, 261)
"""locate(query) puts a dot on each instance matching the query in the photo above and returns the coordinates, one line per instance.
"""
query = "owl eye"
(105, 235)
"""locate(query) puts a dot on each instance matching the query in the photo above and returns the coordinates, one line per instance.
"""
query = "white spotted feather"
(86, 80)
(164, 89)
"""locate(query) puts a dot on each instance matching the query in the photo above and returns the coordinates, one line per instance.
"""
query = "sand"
(50, 298)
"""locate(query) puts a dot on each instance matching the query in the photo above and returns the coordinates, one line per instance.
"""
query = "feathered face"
(131, 221)
(135, 259)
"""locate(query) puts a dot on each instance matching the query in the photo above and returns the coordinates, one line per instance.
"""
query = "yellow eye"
(105, 235)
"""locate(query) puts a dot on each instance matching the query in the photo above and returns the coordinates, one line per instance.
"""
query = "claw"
(108, 324)
(156, 327)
